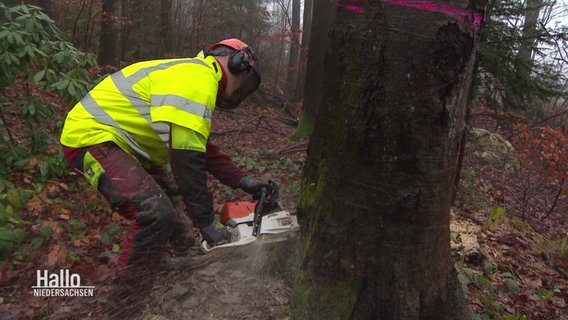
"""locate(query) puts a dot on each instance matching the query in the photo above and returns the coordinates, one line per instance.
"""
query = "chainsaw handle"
(274, 192)
(258, 212)
(261, 201)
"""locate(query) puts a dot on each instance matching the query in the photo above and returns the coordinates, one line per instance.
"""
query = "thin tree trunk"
(165, 26)
(294, 51)
(109, 48)
(323, 14)
(461, 155)
(523, 61)
(306, 35)
(529, 29)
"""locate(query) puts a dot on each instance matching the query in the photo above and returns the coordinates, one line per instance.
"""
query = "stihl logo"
(62, 284)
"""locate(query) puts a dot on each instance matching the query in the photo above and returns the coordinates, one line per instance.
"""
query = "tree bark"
(306, 36)
(322, 18)
(376, 188)
(294, 51)
(165, 26)
(530, 29)
(523, 62)
(110, 39)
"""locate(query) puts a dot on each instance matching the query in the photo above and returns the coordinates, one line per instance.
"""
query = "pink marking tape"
(351, 7)
(461, 15)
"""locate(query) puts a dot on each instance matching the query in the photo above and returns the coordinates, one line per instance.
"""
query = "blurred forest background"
(514, 167)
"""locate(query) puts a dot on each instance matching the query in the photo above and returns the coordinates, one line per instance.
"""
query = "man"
(149, 114)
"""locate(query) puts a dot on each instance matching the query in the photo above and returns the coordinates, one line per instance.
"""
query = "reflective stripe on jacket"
(134, 106)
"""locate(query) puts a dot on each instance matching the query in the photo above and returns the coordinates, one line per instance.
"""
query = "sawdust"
(226, 284)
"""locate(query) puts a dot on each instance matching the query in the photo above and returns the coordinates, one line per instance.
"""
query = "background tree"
(130, 31)
(143, 27)
(166, 33)
(522, 70)
(519, 57)
(529, 28)
(323, 14)
(514, 71)
(376, 187)
(295, 46)
(110, 44)
(306, 35)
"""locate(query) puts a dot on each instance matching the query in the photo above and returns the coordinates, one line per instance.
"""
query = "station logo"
(62, 284)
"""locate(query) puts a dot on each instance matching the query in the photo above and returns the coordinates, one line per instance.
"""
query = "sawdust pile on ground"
(226, 284)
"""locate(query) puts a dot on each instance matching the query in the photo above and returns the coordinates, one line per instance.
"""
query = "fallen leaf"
(64, 186)
(101, 273)
(115, 217)
(54, 255)
(35, 205)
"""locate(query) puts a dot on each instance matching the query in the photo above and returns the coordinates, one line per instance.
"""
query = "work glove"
(254, 187)
(215, 233)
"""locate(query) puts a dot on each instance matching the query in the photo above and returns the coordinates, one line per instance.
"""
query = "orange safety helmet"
(242, 58)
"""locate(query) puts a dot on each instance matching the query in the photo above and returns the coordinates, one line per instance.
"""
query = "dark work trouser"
(150, 199)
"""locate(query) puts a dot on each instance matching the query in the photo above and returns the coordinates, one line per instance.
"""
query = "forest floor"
(510, 267)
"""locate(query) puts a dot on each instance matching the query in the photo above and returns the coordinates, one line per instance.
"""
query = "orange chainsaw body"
(236, 210)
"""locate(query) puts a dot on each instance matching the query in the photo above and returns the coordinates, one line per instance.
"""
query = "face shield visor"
(248, 86)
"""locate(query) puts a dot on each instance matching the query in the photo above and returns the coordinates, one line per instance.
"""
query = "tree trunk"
(109, 47)
(322, 18)
(523, 61)
(306, 35)
(165, 26)
(377, 184)
(530, 29)
(294, 51)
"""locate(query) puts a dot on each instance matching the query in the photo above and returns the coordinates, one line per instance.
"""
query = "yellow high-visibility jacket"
(135, 106)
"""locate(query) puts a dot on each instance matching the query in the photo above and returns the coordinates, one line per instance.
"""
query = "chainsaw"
(249, 221)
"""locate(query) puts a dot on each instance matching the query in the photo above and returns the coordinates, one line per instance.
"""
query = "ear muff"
(240, 60)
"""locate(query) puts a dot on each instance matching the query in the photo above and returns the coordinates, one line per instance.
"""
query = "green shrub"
(12, 232)
(35, 63)
(32, 57)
